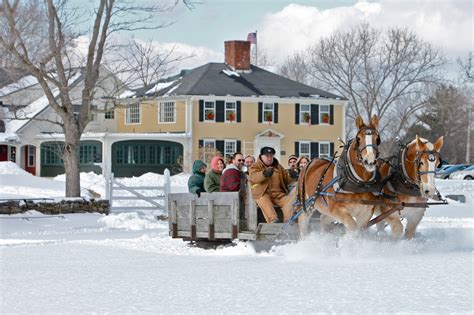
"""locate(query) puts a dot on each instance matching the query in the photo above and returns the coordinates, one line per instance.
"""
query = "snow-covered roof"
(24, 82)
(25, 114)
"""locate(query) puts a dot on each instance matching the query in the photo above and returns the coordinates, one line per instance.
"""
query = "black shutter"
(238, 111)
(297, 114)
(201, 110)
(331, 149)
(220, 146)
(331, 114)
(201, 143)
(314, 114)
(314, 150)
(238, 146)
(220, 111)
(260, 111)
(297, 148)
(275, 110)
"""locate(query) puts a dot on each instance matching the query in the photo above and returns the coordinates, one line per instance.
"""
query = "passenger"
(293, 170)
(232, 176)
(249, 161)
(302, 162)
(212, 181)
(196, 181)
(269, 183)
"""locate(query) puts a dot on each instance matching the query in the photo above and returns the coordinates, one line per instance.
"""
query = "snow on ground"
(127, 263)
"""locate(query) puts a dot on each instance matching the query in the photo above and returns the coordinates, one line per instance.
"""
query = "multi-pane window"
(110, 114)
(324, 114)
(167, 112)
(13, 154)
(208, 149)
(305, 148)
(268, 112)
(324, 149)
(209, 111)
(230, 147)
(305, 114)
(51, 154)
(132, 114)
(230, 112)
(31, 156)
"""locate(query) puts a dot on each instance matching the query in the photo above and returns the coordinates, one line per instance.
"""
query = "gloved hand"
(268, 172)
(294, 174)
(198, 192)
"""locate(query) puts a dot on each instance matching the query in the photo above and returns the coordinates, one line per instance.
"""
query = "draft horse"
(316, 182)
(410, 177)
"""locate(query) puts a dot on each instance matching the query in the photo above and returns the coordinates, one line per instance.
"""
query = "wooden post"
(192, 218)
(174, 219)
(234, 218)
(167, 189)
(210, 209)
(251, 211)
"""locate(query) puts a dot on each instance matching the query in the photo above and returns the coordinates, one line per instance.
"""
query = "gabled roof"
(218, 79)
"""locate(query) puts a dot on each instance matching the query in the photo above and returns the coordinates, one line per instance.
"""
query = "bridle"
(369, 131)
(432, 154)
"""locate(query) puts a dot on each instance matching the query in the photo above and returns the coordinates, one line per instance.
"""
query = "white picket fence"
(124, 198)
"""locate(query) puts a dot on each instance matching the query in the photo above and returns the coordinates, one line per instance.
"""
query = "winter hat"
(214, 162)
(292, 157)
(267, 150)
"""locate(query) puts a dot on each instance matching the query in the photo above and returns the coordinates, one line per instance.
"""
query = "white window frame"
(265, 110)
(164, 113)
(321, 112)
(209, 106)
(128, 113)
(231, 109)
(302, 112)
(232, 143)
(306, 153)
(31, 156)
(205, 142)
(324, 143)
(111, 113)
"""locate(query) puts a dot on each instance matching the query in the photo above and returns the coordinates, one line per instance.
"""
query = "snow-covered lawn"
(127, 263)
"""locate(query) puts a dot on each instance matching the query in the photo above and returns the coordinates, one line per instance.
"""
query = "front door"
(30, 159)
(268, 138)
(3, 153)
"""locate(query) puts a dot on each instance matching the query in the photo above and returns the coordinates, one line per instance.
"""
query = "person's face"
(220, 165)
(202, 169)
(292, 163)
(303, 163)
(248, 161)
(267, 159)
(239, 161)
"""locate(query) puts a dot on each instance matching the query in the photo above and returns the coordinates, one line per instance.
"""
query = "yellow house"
(231, 106)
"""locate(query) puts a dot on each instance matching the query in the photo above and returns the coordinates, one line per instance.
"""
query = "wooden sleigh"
(222, 216)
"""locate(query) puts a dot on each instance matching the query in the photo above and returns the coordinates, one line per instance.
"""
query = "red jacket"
(231, 178)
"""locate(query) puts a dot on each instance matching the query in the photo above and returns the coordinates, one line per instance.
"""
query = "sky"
(284, 27)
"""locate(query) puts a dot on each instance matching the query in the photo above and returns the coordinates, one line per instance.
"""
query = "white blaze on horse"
(411, 175)
(355, 171)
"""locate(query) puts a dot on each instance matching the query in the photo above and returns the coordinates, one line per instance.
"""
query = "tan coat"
(261, 184)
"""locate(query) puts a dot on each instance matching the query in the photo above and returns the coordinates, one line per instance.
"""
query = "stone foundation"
(51, 207)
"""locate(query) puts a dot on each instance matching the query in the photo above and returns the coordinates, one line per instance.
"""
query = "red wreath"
(231, 117)
(210, 116)
(307, 118)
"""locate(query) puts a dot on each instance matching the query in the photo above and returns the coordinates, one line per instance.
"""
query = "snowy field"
(127, 263)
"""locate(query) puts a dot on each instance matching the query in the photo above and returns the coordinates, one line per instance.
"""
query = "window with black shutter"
(331, 114)
(201, 110)
(314, 114)
(297, 114)
(220, 111)
(314, 150)
(239, 108)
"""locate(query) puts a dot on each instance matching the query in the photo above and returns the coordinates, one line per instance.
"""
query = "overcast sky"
(286, 26)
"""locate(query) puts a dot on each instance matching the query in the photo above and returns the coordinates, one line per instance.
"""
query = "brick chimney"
(237, 54)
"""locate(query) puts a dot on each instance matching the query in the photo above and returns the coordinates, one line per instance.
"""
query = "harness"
(398, 181)
(348, 180)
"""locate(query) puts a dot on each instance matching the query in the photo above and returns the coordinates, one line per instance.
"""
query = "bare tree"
(143, 63)
(377, 71)
(295, 68)
(467, 78)
(259, 57)
(50, 63)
